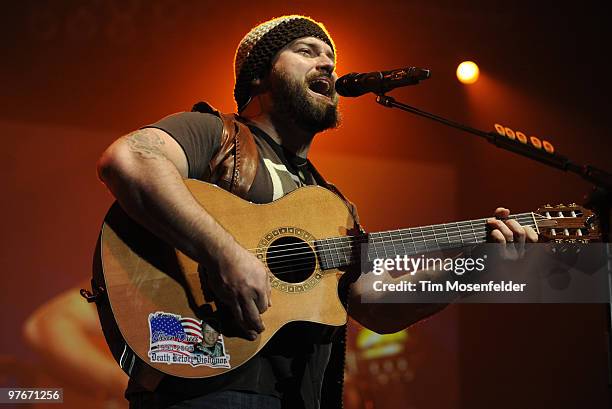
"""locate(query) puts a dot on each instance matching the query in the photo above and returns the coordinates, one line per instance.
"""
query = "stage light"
(467, 72)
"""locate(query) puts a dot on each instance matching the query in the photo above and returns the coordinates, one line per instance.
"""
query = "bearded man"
(284, 90)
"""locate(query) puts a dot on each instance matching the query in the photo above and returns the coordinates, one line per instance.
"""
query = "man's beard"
(292, 103)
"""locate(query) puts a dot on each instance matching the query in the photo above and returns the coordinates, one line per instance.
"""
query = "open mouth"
(322, 86)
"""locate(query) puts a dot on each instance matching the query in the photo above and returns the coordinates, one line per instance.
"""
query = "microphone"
(379, 82)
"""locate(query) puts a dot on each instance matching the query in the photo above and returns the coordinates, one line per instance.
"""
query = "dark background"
(78, 74)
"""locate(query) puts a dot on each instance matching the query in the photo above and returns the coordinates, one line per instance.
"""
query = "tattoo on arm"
(146, 143)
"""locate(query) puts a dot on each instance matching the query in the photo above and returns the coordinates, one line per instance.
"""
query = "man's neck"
(283, 132)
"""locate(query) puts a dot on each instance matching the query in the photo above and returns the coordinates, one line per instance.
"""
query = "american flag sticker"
(184, 340)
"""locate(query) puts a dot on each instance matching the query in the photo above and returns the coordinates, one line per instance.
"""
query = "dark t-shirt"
(279, 171)
(291, 366)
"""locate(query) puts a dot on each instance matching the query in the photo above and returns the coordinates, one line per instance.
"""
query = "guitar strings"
(392, 237)
(522, 217)
(348, 258)
(402, 239)
(353, 259)
(353, 255)
(350, 241)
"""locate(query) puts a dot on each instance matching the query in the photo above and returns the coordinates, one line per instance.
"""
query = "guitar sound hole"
(290, 259)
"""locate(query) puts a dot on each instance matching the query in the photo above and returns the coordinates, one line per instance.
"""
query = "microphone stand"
(599, 200)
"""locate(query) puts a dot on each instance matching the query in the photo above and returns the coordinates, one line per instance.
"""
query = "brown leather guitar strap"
(234, 166)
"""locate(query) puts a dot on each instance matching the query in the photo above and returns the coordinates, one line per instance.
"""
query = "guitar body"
(149, 290)
(159, 317)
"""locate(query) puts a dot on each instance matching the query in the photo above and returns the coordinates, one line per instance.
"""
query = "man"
(210, 345)
(285, 95)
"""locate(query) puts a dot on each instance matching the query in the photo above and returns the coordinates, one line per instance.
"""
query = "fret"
(435, 235)
(334, 254)
(398, 248)
(419, 241)
(372, 253)
(416, 241)
(454, 238)
(382, 244)
(447, 236)
(412, 240)
(427, 237)
(450, 235)
(423, 240)
(430, 235)
(337, 251)
(482, 236)
(352, 249)
(327, 253)
(330, 252)
(383, 241)
(403, 241)
(443, 235)
(371, 250)
(346, 250)
(457, 236)
(320, 251)
(398, 244)
(372, 244)
(459, 231)
(473, 231)
(355, 248)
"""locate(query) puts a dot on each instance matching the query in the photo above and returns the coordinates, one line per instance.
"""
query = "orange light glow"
(467, 72)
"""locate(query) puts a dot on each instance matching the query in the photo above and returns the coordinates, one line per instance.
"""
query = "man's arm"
(144, 171)
(386, 318)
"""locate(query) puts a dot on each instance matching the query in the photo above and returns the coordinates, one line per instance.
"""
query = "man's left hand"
(504, 230)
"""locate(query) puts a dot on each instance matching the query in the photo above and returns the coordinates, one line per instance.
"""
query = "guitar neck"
(340, 252)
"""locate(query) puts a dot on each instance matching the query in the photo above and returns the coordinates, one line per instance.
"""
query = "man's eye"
(304, 51)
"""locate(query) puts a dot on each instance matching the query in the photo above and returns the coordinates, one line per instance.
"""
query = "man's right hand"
(240, 281)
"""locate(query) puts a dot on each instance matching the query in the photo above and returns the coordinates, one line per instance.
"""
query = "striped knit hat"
(257, 49)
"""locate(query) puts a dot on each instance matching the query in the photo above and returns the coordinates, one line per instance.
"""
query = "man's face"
(302, 85)
(210, 336)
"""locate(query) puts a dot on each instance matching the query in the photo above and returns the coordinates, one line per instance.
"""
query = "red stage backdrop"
(79, 74)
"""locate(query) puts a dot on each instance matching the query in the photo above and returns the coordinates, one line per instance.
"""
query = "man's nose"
(325, 63)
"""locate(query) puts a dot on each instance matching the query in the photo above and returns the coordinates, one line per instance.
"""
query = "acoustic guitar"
(158, 316)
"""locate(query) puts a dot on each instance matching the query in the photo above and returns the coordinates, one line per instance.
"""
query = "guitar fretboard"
(339, 252)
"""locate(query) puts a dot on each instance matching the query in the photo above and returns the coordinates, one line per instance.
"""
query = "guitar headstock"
(567, 224)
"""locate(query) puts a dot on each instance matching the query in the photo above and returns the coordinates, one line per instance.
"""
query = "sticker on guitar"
(184, 340)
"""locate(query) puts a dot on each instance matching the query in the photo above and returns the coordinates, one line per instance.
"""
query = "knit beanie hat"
(257, 49)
